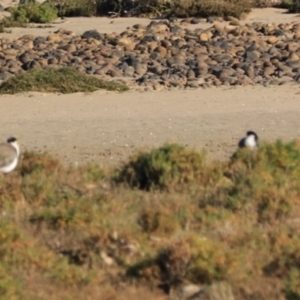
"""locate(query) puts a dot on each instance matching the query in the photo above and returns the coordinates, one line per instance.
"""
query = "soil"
(107, 127)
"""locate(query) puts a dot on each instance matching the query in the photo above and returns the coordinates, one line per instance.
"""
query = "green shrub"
(168, 167)
(64, 80)
(176, 8)
(191, 257)
(72, 8)
(33, 13)
(266, 180)
(293, 6)
(38, 162)
(285, 261)
(207, 8)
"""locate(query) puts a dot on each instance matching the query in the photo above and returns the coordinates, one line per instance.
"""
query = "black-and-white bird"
(9, 155)
(250, 141)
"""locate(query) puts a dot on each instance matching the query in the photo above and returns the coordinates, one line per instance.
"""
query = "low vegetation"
(293, 6)
(166, 218)
(63, 80)
(34, 12)
(50, 9)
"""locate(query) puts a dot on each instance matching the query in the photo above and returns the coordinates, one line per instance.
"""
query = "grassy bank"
(62, 80)
(166, 219)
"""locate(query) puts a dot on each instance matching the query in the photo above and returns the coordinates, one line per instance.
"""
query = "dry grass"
(63, 80)
(79, 232)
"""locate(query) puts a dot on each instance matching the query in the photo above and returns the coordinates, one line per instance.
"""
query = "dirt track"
(107, 127)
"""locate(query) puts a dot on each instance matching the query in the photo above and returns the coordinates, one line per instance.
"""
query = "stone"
(293, 57)
(127, 43)
(234, 22)
(5, 75)
(91, 34)
(204, 37)
(39, 40)
(54, 38)
(272, 40)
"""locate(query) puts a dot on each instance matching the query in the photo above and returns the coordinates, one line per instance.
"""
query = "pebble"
(167, 55)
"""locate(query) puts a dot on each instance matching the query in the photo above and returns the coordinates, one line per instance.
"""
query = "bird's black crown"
(11, 140)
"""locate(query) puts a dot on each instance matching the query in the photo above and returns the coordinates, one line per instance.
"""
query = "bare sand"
(107, 127)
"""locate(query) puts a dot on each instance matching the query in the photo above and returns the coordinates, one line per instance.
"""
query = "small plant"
(33, 13)
(168, 167)
(259, 181)
(285, 261)
(73, 8)
(176, 8)
(156, 219)
(191, 257)
(293, 6)
(38, 162)
(63, 80)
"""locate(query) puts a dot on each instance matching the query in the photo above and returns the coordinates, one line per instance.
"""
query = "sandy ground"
(107, 127)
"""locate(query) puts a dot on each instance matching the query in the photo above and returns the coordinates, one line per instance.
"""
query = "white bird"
(9, 155)
(250, 141)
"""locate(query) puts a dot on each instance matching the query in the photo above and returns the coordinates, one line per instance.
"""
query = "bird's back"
(7, 154)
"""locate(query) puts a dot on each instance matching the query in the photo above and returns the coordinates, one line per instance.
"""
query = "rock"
(33, 64)
(268, 71)
(54, 38)
(91, 34)
(62, 31)
(293, 57)
(155, 27)
(106, 259)
(39, 40)
(217, 291)
(211, 19)
(127, 43)
(139, 27)
(129, 71)
(5, 75)
(69, 48)
(297, 34)
(165, 54)
(243, 16)
(292, 46)
(235, 22)
(25, 57)
(251, 56)
(140, 69)
(229, 28)
(12, 52)
(184, 291)
(204, 37)
(52, 61)
(195, 21)
(272, 40)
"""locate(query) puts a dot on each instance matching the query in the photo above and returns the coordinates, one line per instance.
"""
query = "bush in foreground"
(236, 234)
(170, 167)
(62, 80)
(30, 13)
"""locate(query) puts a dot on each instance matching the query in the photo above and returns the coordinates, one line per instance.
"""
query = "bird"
(9, 155)
(250, 141)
